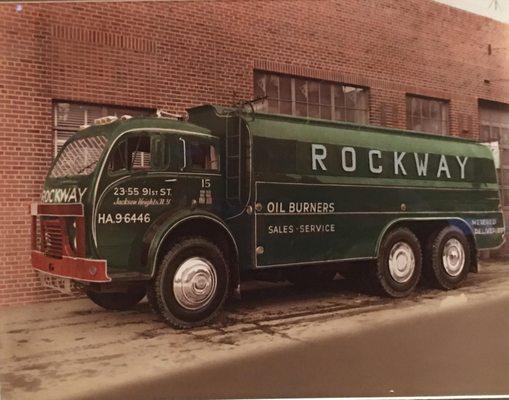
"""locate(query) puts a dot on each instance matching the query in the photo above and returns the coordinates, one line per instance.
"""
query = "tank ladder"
(233, 164)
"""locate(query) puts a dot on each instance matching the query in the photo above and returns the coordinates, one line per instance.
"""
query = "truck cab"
(112, 197)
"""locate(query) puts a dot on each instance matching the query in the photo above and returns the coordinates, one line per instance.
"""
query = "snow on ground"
(73, 348)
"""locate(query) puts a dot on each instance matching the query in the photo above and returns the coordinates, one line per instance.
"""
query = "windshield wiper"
(87, 166)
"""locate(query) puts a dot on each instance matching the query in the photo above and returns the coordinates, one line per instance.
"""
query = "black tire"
(119, 301)
(310, 277)
(434, 269)
(173, 311)
(152, 299)
(401, 281)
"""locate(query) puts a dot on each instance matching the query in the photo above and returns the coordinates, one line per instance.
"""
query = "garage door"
(494, 121)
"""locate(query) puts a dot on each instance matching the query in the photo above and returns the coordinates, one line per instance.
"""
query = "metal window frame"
(444, 110)
(504, 168)
(105, 109)
(331, 85)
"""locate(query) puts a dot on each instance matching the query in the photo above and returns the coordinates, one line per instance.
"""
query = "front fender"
(163, 227)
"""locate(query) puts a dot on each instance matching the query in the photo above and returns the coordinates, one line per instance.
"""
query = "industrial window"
(311, 98)
(494, 123)
(69, 117)
(427, 115)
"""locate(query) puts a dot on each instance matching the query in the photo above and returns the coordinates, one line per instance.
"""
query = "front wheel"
(117, 300)
(398, 267)
(191, 283)
(447, 258)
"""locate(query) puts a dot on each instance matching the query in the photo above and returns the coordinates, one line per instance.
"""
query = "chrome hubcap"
(453, 257)
(401, 262)
(194, 283)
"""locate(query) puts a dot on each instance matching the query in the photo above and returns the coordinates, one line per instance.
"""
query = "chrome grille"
(52, 237)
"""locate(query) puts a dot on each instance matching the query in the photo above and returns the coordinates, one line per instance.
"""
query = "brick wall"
(178, 54)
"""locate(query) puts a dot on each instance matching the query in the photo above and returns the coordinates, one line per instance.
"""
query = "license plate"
(63, 285)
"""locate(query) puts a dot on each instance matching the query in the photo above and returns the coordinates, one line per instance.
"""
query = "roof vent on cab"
(105, 120)
(165, 114)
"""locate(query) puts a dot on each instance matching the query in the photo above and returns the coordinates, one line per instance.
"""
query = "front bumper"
(76, 268)
(56, 256)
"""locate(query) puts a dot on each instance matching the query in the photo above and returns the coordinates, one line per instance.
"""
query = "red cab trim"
(57, 209)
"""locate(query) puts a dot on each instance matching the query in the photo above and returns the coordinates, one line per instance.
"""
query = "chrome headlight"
(71, 233)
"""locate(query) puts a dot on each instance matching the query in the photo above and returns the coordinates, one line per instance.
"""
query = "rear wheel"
(447, 258)
(398, 267)
(191, 283)
(117, 300)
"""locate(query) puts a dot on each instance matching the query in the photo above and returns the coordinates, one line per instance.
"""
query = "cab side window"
(137, 153)
(202, 156)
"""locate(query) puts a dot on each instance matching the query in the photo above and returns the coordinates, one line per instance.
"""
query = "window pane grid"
(311, 98)
(68, 117)
(427, 115)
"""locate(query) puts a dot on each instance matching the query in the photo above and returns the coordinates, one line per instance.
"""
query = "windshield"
(79, 157)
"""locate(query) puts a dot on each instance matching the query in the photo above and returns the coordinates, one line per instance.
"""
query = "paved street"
(278, 341)
(457, 351)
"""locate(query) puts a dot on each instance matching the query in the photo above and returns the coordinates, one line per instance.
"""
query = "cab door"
(134, 190)
(199, 174)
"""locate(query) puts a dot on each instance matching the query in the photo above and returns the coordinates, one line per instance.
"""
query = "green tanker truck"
(183, 211)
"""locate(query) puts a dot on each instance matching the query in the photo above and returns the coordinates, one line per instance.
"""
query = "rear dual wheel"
(448, 258)
(397, 269)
